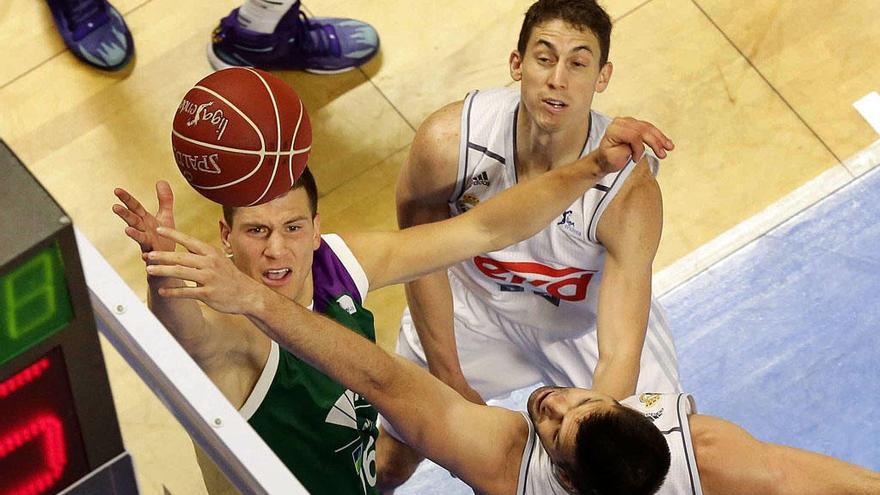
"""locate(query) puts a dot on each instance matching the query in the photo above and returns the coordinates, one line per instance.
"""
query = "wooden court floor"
(757, 95)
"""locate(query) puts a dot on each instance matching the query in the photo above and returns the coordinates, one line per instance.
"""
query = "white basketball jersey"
(550, 280)
(669, 412)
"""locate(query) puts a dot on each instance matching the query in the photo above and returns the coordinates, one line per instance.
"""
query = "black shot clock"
(58, 427)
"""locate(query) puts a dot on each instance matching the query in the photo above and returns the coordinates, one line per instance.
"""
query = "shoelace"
(79, 12)
(314, 38)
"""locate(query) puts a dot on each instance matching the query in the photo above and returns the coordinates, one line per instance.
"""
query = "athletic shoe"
(94, 31)
(321, 45)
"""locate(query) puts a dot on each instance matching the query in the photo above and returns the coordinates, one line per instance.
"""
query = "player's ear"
(316, 223)
(225, 230)
(564, 478)
(604, 77)
(515, 62)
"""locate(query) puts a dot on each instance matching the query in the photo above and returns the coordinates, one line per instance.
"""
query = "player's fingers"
(181, 292)
(130, 202)
(667, 142)
(165, 195)
(128, 216)
(184, 273)
(638, 150)
(137, 236)
(655, 141)
(630, 131)
(192, 244)
(647, 134)
(658, 141)
(175, 258)
(624, 129)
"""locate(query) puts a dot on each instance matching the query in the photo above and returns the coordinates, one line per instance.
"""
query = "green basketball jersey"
(324, 433)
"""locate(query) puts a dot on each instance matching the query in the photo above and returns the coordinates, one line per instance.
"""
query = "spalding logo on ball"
(241, 137)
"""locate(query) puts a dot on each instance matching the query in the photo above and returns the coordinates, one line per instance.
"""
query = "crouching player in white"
(571, 441)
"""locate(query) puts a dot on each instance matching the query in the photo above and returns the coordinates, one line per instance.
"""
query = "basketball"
(241, 137)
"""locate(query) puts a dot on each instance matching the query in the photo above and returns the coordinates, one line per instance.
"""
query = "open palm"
(141, 225)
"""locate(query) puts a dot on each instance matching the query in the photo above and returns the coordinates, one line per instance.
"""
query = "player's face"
(559, 72)
(274, 243)
(557, 412)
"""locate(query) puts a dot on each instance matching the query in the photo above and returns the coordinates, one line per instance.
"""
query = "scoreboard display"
(58, 427)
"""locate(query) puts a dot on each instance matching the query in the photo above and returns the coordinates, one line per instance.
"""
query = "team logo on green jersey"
(344, 413)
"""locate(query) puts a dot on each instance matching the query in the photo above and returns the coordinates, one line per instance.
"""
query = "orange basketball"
(241, 137)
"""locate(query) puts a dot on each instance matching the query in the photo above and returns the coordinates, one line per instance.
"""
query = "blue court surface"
(782, 337)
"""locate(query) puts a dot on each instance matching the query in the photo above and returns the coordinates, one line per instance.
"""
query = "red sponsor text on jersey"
(567, 284)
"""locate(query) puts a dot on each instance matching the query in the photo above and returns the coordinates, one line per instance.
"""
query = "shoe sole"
(219, 64)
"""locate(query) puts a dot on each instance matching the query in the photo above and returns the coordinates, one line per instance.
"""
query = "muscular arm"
(426, 183)
(183, 318)
(511, 216)
(731, 462)
(630, 231)
(215, 342)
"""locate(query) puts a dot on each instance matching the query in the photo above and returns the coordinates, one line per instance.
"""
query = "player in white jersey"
(535, 301)
(669, 413)
(572, 441)
(572, 305)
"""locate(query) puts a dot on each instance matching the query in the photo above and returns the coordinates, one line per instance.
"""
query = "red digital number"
(40, 443)
(48, 430)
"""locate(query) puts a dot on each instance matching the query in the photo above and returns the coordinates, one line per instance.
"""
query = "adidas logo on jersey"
(653, 415)
(481, 180)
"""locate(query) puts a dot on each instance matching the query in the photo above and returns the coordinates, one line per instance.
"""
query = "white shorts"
(518, 356)
(499, 356)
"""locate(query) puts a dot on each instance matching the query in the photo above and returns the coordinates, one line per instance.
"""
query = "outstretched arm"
(732, 462)
(512, 216)
(475, 442)
(182, 318)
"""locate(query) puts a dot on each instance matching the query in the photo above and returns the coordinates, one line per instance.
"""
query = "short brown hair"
(582, 14)
(306, 180)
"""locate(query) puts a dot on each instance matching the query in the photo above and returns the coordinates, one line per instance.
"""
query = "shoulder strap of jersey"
(261, 388)
(528, 452)
(354, 271)
(465, 134)
(608, 188)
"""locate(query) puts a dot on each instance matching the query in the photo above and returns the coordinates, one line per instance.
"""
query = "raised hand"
(625, 140)
(219, 283)
(141, 224)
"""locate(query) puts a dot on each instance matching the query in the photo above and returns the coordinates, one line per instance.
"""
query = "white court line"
(788, 206)
(869, 107)
(864, 160)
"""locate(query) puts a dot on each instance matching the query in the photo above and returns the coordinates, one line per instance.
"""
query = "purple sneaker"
(94, 31)
(321, 45)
